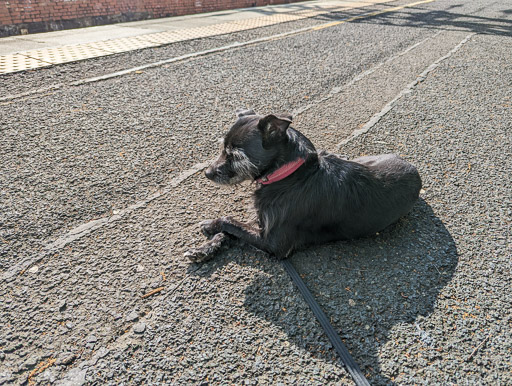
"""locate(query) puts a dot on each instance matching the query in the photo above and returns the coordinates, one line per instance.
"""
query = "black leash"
(345, 356)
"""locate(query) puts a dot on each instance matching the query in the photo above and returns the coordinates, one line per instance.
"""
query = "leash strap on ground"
(345, 356)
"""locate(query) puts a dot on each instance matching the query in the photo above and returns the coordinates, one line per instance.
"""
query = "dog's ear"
(243, 112)
(273, 128)
(285, 116)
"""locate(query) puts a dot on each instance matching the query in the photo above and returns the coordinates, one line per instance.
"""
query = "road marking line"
(357, 78)
(36, 58)
(86, 228)
(370, 14)
(207, 52)
(387, 108)
(238, 45)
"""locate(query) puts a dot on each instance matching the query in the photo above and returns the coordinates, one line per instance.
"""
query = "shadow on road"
(436, 20)
(414, 17)
(366, 287)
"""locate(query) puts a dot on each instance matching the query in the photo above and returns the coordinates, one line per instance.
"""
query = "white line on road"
(337, 90)
(377, 117)
(86, 228)
(193, 55)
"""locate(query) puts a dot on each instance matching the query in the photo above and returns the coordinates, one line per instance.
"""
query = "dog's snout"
(209, 173)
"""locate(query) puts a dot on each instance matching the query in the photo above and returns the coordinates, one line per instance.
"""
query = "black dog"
(304, 197)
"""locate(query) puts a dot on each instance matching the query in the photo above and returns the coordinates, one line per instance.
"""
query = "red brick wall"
(50, 15)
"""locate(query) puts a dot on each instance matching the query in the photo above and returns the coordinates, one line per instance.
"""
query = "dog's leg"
(207, 250)
(237, 229)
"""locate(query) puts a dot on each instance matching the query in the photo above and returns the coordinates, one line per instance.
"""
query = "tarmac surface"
(101, 190)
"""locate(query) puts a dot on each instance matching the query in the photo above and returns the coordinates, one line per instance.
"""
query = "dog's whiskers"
(242, 165)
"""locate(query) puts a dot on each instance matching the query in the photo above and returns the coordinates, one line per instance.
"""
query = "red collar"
(283, 172)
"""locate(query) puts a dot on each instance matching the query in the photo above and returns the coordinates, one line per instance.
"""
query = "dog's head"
(250, 147)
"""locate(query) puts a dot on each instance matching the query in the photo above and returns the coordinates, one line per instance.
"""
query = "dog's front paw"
(208, 249)
(210, 228)
(197, 255)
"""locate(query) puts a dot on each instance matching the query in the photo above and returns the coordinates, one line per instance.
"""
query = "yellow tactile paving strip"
(33, 59)
(116, 46)
(18, 62)
(64, 54)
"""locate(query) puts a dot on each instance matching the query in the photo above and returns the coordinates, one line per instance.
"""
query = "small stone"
(140, 268)
(116, 315)
(31, 362)
(155, 284)
(12, 347)
(62, 305)
(69, 325)
(65, 358)
(91, 339)
(6, 377)
(139, 328)
(101, 353)
(33, 269)
(49, 376)
(132, 316)
(351, 302)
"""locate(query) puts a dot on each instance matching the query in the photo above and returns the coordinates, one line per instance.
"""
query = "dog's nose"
(209, 173)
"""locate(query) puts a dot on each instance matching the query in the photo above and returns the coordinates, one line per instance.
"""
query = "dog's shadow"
(365, 287)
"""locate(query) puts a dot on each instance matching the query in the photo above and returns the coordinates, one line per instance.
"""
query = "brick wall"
(30, 16)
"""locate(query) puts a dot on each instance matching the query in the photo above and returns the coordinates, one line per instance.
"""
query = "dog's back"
(335, 199)
(375, 192)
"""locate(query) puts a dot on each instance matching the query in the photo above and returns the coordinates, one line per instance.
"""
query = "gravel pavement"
(425, 302)
(92, 150)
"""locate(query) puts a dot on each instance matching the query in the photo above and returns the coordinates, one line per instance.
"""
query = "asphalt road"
(101, 190)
